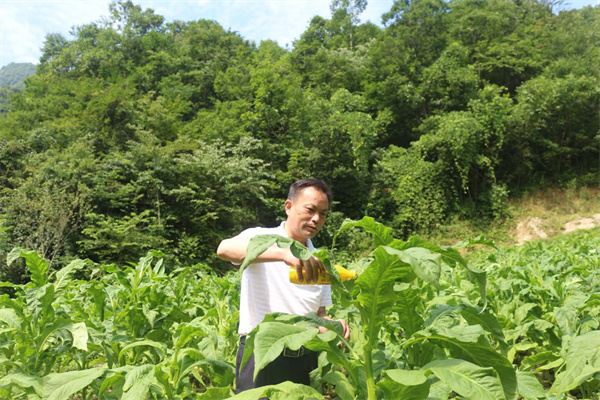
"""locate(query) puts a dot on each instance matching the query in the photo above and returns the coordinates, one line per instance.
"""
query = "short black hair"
(302, 184)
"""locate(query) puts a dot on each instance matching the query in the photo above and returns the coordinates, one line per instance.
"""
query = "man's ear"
(288, 206)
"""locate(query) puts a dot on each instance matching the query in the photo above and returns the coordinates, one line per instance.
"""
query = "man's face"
(306, 214)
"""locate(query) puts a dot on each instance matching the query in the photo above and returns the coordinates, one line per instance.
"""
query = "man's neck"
(291, 236)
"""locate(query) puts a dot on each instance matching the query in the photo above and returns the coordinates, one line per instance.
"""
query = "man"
(266, 287)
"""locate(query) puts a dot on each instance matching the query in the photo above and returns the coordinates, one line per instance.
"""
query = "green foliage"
(450, 82)
(407, 192)
(132, 332)
(43, 217)
(565, 110)
(450, 168)
(425, 322)
(549, 327)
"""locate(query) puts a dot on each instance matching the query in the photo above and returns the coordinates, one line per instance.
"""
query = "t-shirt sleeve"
(252, 232)
(246, 234)
(249, 233)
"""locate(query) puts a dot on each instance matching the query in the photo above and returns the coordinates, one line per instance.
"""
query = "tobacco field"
(509, 323)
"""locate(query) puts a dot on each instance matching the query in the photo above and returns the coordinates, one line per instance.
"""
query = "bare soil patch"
(582, 223)
(535, 228)
(551, 212)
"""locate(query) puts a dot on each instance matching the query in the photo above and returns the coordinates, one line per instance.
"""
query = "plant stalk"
(371, 392)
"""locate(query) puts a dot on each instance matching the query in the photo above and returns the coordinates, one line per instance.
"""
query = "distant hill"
(14, 74)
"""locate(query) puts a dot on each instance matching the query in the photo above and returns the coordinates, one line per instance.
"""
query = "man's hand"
(306, 269)
(346, 334)
(323, 314)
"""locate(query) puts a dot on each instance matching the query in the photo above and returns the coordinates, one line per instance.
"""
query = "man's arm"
(234, 250)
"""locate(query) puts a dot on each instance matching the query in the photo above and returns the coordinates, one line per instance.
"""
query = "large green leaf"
(13, 255)
(408, 300)
(343, 387)
(389, 389)
(479, 353)
(137, 382)
(335, 326)
(259, 244)
(374, 288)
(382, 235)
(467, 379)
(486, 320)
(283, 391)
(112, 382)
(10, 318)
(215, 393)
(538, 359)
(24, 381)
(39, 301)
(529, 386)
(63, 385)
(272, 337)
(582, 360)
(79, 333)
(425, 264)
(14, 305)
(38, 267)
(567, 319)
(463, 333)
(50, 329)
(407, 377)
(64, 275)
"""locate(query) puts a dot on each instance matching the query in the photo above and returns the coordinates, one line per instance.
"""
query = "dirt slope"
(534, 228)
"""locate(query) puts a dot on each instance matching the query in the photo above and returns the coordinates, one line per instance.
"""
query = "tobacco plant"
(128, 333)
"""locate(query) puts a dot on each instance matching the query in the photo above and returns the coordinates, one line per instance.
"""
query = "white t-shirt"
(266, 288)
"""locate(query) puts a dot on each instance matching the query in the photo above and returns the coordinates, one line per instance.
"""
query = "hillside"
(12, 77)
(14, 74)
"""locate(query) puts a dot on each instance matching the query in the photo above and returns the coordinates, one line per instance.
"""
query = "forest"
(137, 134)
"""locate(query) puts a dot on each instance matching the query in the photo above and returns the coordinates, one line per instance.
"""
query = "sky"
(24, 24)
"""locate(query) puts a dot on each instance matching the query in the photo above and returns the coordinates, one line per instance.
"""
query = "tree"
(45, 211)
(554, 133)
(345, 13)
(406, 192)
(449, 83)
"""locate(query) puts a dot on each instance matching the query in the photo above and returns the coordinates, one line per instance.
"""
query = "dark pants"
(288, 367)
